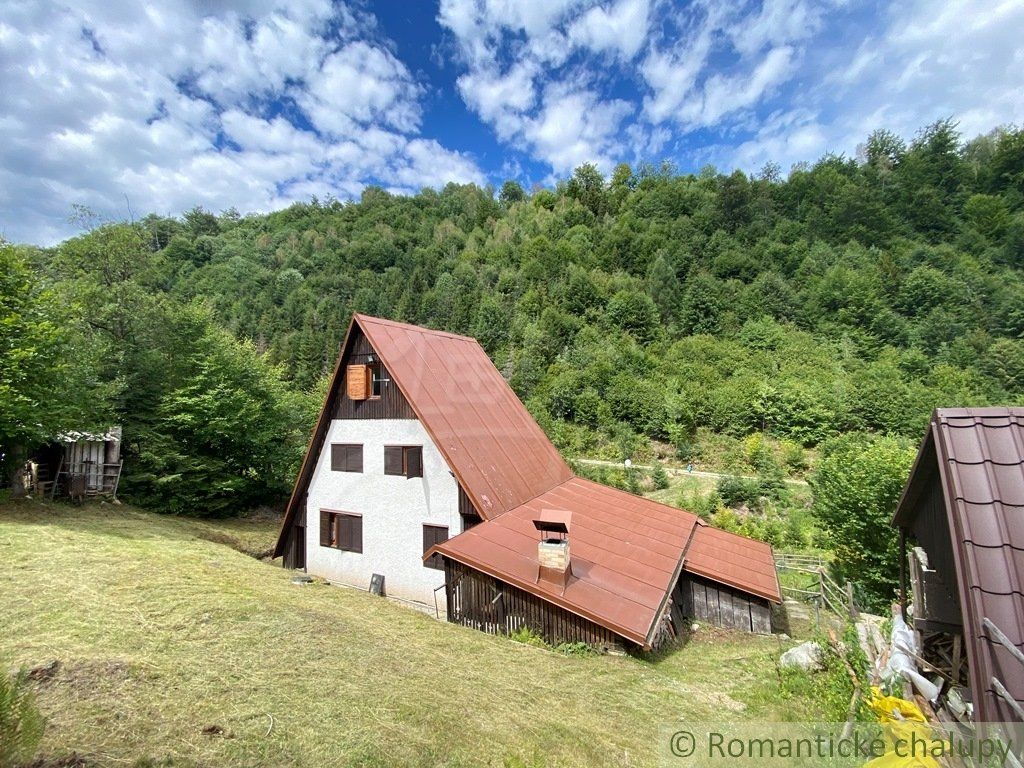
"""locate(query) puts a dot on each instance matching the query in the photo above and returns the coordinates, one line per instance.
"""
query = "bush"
(856, 488)
(660, 477)
(21, 725)
(735, 490)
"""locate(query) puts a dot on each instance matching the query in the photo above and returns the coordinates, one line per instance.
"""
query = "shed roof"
(626, 554)
(979, 457)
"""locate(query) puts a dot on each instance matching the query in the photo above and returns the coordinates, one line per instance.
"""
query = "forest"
(822, 313)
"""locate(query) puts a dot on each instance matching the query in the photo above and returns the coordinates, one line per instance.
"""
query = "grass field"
(164, 629)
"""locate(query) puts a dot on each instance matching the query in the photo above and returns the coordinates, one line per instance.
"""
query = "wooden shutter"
(325, 528)
(434, 534)
(344, 532)
(414, 461)
(346, 457)
(354, 462)
(357, 382)
(393, 460)
(357, 533)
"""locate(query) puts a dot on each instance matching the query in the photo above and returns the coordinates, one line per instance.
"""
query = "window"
(405, 460)
(346, 457)
(376, 379)
(434, 534)
(341, 530)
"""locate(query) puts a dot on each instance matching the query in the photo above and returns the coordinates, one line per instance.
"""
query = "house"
(427, 472)
(961, 526)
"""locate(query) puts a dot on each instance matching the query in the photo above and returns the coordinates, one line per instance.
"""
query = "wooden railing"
(819, 587)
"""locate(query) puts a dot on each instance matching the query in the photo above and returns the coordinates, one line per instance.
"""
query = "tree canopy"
(854, 294)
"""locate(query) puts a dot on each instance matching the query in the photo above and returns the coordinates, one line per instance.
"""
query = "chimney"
(554, 567)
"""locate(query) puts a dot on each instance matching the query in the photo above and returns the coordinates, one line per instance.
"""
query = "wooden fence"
(817, 586)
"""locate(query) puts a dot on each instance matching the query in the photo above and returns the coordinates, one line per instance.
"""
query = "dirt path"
(680, 472)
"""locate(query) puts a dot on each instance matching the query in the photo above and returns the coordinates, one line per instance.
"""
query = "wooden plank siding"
(482, 602)
(390, 405)
(469, 513)
(704, 600)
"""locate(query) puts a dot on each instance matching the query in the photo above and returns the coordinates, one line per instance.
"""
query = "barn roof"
(626, 554)
(977, 454)
(627, 551)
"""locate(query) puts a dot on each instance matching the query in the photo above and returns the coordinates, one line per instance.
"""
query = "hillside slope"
(162, 633)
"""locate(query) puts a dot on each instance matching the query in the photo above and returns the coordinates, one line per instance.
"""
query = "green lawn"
(163, 629)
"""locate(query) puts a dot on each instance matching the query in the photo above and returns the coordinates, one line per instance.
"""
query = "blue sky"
(255, 104)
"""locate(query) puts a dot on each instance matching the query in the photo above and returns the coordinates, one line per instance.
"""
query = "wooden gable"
(356, 399)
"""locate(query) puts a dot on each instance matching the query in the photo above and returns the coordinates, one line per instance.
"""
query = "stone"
(806, 656)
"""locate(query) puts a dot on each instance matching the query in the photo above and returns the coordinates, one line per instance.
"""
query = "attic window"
(376, 379)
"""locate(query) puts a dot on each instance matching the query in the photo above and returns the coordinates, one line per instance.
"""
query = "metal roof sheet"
(625, 555)
(499, 453)
(980, 458)
(734, 560)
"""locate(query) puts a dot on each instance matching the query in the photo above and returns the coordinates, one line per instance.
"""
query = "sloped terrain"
(176, 648)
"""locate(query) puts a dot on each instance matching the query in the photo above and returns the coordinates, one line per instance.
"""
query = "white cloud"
(359, 84)
(621, 27)
(171, 106)
(575, 127)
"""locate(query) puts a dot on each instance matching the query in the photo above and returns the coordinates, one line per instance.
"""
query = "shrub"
(735, 490)
(660, 477)
(21, 725)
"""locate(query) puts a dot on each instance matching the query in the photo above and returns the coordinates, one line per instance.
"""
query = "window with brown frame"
(346, 457)
(432, 535)
(405, 460)
(341, 530)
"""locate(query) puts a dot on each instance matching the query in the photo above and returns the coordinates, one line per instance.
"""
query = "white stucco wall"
(394, 510)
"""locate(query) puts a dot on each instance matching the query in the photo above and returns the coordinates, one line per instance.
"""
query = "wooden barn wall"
(390, 405)
(477, 600)
(704, 600)
(931, 531)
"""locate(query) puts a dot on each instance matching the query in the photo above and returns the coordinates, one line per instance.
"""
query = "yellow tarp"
(904, 727)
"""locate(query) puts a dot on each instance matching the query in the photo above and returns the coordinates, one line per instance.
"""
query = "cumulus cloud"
(247, 104)
(257, 103)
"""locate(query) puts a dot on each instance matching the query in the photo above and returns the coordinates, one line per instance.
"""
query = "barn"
(961, 525)
(428, 480)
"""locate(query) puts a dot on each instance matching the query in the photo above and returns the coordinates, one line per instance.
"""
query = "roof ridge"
(411, 327)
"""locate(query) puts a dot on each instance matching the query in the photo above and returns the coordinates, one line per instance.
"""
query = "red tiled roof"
(980, 457)
(499, 453)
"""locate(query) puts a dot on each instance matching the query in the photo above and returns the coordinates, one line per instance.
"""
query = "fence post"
(854, 613)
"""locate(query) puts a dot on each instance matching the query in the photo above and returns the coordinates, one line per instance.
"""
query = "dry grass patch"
(178, 650)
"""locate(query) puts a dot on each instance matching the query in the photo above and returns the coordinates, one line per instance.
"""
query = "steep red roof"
(979, 453)
(499, 453)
